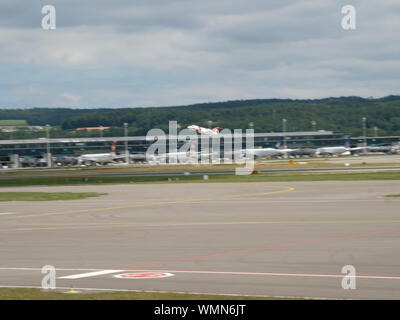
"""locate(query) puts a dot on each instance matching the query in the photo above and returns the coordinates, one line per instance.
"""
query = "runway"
(269, 239)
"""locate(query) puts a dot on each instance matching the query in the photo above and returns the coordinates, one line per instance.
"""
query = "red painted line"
(262, 248)
(147, 275)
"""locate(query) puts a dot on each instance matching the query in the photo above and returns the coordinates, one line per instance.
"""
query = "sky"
(142, 53)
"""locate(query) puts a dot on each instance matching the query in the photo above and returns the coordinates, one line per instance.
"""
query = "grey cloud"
(192, 51)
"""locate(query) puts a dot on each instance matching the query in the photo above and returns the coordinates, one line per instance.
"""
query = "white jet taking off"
(205, 131)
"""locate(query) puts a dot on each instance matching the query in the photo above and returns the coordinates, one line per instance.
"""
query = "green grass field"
(37, 294)
(393, 196)
(13, 123)
(311, 164)
(46, 196)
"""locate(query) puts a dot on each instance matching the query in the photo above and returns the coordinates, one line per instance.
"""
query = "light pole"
(376, 131)
(364, 120)
(48, 155)
(126, 143)
(314, 125)
(284, 133)
(101, 131)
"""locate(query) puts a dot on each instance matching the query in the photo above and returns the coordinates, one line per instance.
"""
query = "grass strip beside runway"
(265, 177)
(46, 196)
(37, 294)
(309, 164)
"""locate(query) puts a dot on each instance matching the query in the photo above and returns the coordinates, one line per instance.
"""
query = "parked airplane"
(383, 149)
(395, 149)
(269, 152)
(138, 157)
(262, 153)
(339, 151)
(175, 156)
(205, 131)
(333, 151)
(101, 158)
(308, 152)
(65, 160)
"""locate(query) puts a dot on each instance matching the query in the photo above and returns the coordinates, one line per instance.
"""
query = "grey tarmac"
(259, 238)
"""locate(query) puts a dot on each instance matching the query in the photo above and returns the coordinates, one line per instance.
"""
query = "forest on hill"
(337, 114)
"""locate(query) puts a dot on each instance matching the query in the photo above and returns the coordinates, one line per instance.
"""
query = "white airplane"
(345, 150)
(262, 152)
(333, 151)
(177, 156)
(205, 131)
(395, 149)
(101, 158)
(268, 152)
(339, 151)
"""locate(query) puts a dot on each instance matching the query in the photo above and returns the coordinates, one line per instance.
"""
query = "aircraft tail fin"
(216, 129)
(348, 142)
(114, 148)
(193, 147)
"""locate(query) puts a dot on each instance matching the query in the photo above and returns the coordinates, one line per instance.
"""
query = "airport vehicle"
(205, 131)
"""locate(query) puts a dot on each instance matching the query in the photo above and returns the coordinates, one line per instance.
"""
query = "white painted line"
(272, 274)
(6, 213)
(39, 269)
(97, 272)
(90, 274)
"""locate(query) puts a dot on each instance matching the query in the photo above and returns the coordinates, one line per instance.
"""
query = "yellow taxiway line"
(207, 223)
(152, 204)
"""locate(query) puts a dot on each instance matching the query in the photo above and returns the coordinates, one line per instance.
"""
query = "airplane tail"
(193, 148)
(348, 142)
(114, 148)
(216, 129)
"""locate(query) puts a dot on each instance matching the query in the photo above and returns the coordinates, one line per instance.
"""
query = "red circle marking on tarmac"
(146, 275)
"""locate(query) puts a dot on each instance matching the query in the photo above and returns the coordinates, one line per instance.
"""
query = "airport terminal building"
(39, 148)
(139, 144)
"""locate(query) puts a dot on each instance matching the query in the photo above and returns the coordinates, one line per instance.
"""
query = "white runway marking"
(39, 269)
(90, 274)
(6, 213)
(271, 274)
(98, 272)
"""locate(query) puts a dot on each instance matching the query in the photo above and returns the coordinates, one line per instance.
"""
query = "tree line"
(336, 114)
